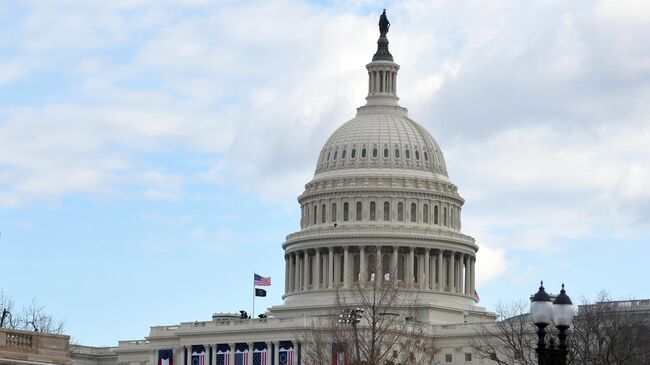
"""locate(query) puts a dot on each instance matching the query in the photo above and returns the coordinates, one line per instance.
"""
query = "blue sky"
(151, 152)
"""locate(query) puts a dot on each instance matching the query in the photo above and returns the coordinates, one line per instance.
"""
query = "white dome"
(379, 139)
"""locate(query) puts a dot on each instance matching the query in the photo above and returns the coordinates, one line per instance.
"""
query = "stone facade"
(380, 207)
(25, 347)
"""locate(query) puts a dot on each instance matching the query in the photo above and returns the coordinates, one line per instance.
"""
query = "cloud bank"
(541, 109)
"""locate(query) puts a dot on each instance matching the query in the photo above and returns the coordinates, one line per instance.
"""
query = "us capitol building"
(381, 207)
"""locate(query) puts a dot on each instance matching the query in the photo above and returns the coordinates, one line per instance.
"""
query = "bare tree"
(373, 323)
(7, 307)
(611, 332)
(32, 317)
(510, 340)
(603, 333)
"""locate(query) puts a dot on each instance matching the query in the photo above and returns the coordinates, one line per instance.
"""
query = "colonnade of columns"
(343, 266)
(382, 81)
(182, 354)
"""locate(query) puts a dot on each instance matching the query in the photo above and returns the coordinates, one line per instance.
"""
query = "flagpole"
(253, 315)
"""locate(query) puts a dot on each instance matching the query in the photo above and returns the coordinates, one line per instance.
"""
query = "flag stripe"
(259, 280)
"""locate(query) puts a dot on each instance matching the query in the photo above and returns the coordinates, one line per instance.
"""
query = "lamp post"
(545, 312)
(353, 317)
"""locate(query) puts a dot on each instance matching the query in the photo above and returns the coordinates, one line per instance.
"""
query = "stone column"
(460, 268)
(231, 353)
(317, 270)
(330, 272)
(379, 271)
(452, 272)
(346, 267)
(473, 276)
(305, 263)
(250, 353)
(294, 271)
(178, 354)
(467, 273)
(411, 266)
(362, 266)
(427, 269)
(441, 282)
(286, 274)
(276, 353)
(269, 354)
(152, 357)
(393, 265)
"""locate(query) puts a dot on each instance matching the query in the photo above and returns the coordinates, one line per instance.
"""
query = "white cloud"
(540, 108)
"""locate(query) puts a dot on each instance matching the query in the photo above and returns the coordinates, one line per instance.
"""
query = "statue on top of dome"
(384, 24)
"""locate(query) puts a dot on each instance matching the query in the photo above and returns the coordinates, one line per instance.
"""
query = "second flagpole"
(253, 314)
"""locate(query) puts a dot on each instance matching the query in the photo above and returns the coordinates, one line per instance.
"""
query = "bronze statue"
(384, 24)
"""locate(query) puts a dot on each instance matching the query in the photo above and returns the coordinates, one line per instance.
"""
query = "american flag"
(476, 297)
(261, 280)
(259, 357)
(165, 357)
(286, 357)
(223, 357)
(241, 357)
(198, 358)
(338, 354)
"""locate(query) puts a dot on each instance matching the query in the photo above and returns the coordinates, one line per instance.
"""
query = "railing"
(20, 340)
(34, 346)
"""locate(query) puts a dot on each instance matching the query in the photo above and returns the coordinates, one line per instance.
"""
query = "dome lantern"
(382, 71)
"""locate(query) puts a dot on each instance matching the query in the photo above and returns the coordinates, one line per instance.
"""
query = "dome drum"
(415, 269)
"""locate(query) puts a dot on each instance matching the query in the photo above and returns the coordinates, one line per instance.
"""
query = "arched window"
(323, 214)
(425, 213)
(397, 153)
(373, 211)
(400, 211)
(385, 152)
(407, 154)
(435, 214)
(336, 152)
(444, 216)
(386, 211)
(346, 211)
(363, 153)
(353, 154)
(451, 217)
(315, 211)
(343, 153)
(328, 155)
(374, 152)
(414, 212)
(341, 268)
(417, 155)
(333, 212)
(359, 210)
(426, 156)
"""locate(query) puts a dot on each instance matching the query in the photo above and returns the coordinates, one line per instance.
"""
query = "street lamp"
(545, 312)
(352, 317)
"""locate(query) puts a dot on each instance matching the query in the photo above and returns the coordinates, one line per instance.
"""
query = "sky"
(151, 151)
